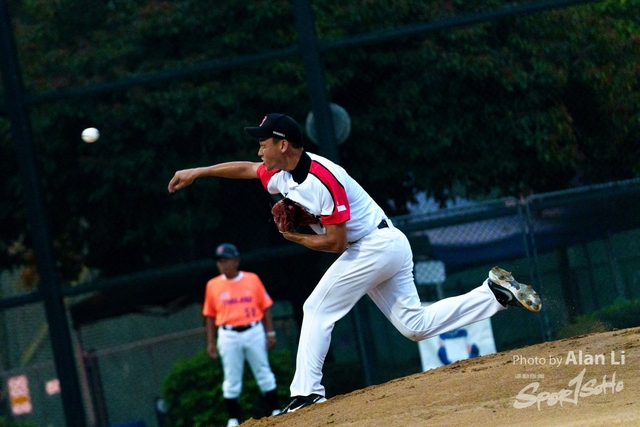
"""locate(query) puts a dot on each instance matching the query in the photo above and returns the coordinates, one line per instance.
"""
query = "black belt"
(239, 328)
(383, 224)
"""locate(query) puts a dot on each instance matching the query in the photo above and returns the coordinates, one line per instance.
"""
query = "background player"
(376, 258)
(236, 309)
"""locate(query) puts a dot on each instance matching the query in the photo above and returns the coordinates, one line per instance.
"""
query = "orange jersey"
(238, 301)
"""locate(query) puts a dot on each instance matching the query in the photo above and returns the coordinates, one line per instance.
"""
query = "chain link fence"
(579, 249)
(578, 260)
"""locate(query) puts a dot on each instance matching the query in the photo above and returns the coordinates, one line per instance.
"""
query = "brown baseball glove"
(289, 215)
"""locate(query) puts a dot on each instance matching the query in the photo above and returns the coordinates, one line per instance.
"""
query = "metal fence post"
(314, 76)
(49, 284)
(545, 326)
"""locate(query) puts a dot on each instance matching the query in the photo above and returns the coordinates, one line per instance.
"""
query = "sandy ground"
(588, 380)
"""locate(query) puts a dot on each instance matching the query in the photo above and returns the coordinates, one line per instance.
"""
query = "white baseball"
(90, 135)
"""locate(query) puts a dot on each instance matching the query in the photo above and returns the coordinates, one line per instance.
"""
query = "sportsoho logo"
(578, 387)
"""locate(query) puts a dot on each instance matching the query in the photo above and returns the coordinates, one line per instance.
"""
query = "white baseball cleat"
(233, 422)
(509, 292)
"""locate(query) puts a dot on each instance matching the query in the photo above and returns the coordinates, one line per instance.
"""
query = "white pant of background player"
(380, 265)
(235, 348)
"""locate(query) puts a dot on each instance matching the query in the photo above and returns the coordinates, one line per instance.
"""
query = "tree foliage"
(529, 104)
(524, 104)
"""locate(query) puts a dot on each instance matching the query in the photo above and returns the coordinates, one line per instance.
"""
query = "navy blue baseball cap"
(227, 250)
(276, 125)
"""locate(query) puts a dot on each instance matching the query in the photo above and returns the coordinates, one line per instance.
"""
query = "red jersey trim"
(341, 209)
(265, 175)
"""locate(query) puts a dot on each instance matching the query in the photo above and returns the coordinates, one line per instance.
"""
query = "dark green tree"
(525, 104)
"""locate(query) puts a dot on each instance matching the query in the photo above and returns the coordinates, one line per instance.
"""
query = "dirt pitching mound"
(588, 380)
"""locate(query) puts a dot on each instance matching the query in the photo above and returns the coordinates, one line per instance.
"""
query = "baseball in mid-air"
(90, 135)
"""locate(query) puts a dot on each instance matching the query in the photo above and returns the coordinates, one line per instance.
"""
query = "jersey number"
(250, 312)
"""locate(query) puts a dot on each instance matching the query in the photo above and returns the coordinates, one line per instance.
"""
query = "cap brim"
(258, 132)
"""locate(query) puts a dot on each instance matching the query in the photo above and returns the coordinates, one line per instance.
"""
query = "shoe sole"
(525, 295)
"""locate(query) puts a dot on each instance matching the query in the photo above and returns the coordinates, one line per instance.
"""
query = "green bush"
(193, 391)
(620, 315)
(9, 423)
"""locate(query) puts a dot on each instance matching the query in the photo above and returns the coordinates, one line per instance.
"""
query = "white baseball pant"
(380, 265)
(236, 347)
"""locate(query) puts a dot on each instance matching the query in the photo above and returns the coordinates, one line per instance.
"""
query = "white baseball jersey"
(326, 189)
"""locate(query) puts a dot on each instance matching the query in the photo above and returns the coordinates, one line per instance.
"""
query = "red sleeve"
(265, 175)
(341, 209)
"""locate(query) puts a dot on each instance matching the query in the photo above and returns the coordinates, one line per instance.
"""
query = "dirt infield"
(588, 380)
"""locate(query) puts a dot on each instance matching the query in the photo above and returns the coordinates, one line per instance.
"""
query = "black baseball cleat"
(298, 402)
(509, 292)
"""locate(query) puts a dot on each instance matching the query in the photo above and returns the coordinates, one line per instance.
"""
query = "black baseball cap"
(227, 250)
(278, 126)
